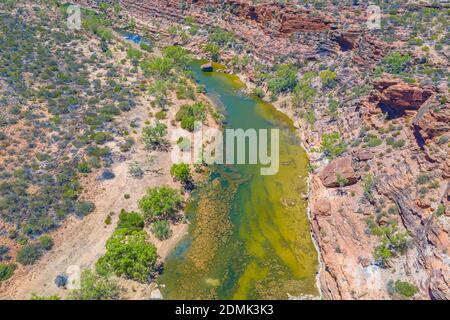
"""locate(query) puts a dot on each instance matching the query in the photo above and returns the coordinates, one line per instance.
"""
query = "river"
(249, 235)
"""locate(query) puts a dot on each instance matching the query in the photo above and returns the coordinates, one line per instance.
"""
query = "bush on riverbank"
(161, 203)
(128, 254)
(95, 287)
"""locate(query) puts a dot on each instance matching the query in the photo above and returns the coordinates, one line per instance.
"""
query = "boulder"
(363, 155)
(341, 166)
(348, 40)
(207, 67)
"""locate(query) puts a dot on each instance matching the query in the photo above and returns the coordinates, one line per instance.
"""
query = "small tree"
(178, 55)
(182, 172)
(163, 202)
(396, 62)
(284, 80)
(129, 255)
(382, 254)
(368, 184)
(154, 137)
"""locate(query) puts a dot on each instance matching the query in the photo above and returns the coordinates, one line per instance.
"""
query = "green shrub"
(188, 114)
(29, 254)
(284, 80)
(382, 254)
(108, 220)
(4, 253)
(304, 92)
(95, 287)
(135, 170)
(130, 221)
(83, 208)
(374, 142)
(146, 46)
(179, 56)
(83, 167)
(422, 178)
(6, 271)
(221, 37)
(258, 92)
(332, 145)
(34, 296)
(161, 229)
(159, 67)
(101, 137)
(327, 77)
(181, 172)
(97, 151)
(405, 289)
(154, 137)
(161, 115)
(129, 255)
(396, 62)
(46, 242)
(126, 146)
(440, 210)
(104, 33)
(134, 54)
(163, 202)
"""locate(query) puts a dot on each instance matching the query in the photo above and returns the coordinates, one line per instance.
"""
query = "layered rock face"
(347, 248)
(266, 26)
(401, 96)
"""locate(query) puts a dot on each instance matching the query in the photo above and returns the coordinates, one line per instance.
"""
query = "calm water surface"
(249, 235)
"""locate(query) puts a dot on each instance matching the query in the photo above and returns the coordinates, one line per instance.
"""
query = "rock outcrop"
(339, 168)
(399, 95)
(348, 40)
(432, 123)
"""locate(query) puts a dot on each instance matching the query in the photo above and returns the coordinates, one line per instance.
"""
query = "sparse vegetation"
(332, 145)
(284, 80)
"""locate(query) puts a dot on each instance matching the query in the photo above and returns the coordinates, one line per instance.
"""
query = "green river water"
(249, 236)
